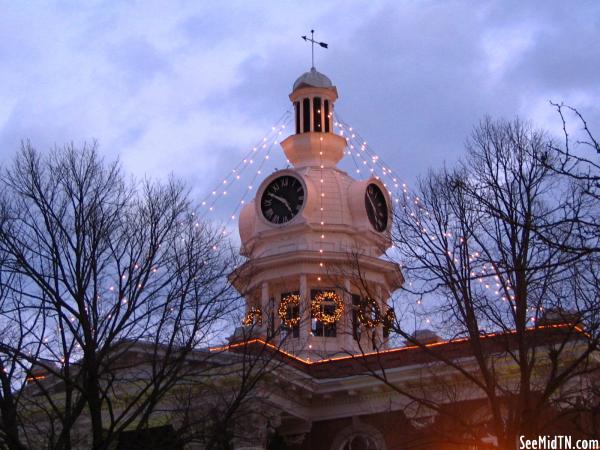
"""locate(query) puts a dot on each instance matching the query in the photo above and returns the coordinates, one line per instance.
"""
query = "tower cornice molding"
(252, 273)
(309, 91)
(314, 149)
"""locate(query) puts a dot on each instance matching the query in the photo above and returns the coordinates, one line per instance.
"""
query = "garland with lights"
(322, 316)
(254, 316)
(389, 318)
(288, 301)
(368, 313)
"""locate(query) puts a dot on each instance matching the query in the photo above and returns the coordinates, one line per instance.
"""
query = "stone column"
(264, 305)
(382, 308)
(252, 429)
(348, 340)
(304, 311)
(251, 432)
(301, 106)
(312, 120)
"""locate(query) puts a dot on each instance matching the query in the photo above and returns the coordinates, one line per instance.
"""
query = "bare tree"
(12, 371)
(108, 286)
(236, 398)
(493, 250)
(577, 160)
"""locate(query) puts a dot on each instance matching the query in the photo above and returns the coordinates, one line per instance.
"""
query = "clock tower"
(314, 280)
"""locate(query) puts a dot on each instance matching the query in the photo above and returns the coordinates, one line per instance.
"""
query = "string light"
(250, 186)
(249, 159)
(364, 157)
(365, 160)
(321, 208)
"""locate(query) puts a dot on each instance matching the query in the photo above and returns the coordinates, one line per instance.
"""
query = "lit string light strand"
(249, 159)
(367, 161)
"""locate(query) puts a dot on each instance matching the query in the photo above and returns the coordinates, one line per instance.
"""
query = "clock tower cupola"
(314, 142)
(314, 280)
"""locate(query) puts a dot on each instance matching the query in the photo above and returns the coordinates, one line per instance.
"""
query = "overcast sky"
(189, 87)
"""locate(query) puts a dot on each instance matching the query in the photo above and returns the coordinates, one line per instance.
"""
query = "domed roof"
(312, 79)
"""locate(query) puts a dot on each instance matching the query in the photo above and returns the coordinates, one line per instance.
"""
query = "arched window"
(297, 112)
(306, 114)
(293, 312)
(317, 114)
(319, 328)
(359, 436)
(360, 442)
(355, 321)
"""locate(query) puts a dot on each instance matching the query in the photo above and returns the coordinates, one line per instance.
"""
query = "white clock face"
(282, 199)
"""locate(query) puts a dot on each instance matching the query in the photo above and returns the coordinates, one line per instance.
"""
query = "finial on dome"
(312, 41)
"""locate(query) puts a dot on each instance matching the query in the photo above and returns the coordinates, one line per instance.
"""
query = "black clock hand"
(282, 200)
(372, 204)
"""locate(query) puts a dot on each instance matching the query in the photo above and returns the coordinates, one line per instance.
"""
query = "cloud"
(188, 88)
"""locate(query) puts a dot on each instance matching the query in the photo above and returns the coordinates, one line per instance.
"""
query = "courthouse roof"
(350, 365)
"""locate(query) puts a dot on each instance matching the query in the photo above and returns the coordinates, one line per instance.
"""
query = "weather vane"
(312, 41)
